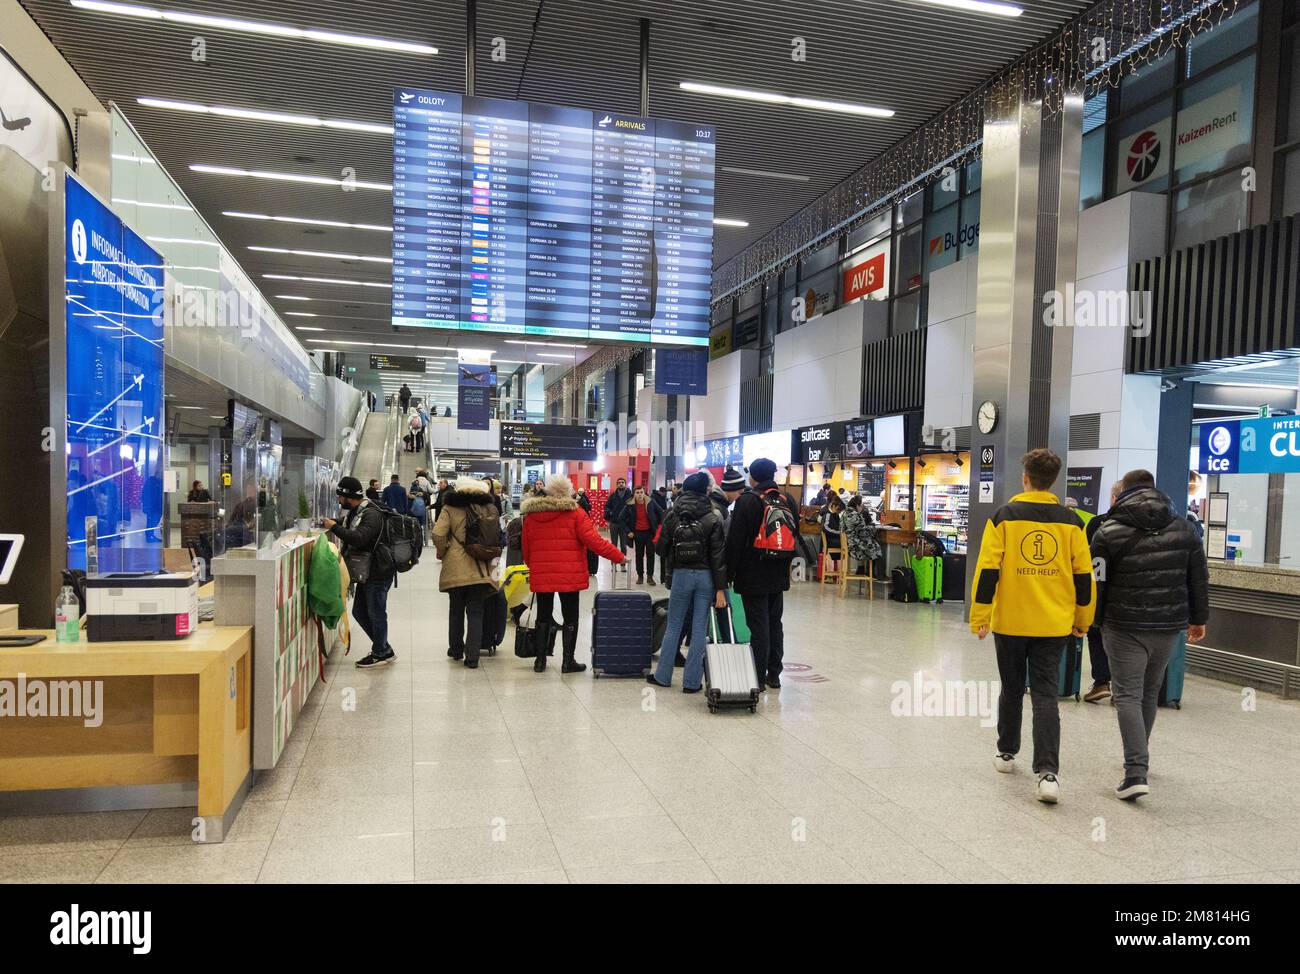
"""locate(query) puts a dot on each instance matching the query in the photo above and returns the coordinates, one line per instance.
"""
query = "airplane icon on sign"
(604, 121)
(14, 124)
(406, 96)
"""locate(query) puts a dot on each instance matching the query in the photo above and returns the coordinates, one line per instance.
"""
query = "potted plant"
(304, 512)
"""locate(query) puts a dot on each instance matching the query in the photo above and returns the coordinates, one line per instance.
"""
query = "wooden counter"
(171, 714)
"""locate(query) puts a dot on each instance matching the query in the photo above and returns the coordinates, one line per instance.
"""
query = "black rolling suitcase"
(494, 622)
(954, 578)
(1070, 673)
(621, 630)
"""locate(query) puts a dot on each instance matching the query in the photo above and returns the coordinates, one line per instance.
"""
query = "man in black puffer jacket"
(694, 567)
(1152, 584)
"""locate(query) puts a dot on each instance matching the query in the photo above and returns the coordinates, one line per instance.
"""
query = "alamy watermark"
(920, 697)
(1098, 308)
(53, 698)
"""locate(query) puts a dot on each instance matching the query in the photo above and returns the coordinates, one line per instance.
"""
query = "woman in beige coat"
(467, 581)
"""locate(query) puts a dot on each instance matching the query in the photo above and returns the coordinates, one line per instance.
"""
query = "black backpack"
(483, 537)
(689, 545)
(400, 541)
(903, 587)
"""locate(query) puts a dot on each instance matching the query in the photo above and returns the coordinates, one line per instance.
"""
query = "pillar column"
(1029, 220)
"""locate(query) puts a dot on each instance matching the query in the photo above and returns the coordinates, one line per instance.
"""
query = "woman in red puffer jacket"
(557, 534)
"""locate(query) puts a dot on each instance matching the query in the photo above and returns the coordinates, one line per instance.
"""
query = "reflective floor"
(858, 769)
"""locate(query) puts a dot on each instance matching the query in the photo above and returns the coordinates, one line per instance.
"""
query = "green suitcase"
(928, 572)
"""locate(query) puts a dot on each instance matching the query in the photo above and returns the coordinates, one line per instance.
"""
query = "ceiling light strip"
(261, 27)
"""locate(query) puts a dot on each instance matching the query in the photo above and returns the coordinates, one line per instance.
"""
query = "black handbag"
(526, 639)
(358, 564)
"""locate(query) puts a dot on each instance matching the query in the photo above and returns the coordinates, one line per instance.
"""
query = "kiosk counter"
(144, 724)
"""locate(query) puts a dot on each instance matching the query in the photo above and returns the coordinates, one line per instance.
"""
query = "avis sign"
(865, 278)
(1251, 446)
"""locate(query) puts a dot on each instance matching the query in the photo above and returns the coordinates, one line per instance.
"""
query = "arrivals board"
(531, 219)
(547, 441)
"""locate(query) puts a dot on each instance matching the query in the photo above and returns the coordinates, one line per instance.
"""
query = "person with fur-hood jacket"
(467, 581)
(557, 536)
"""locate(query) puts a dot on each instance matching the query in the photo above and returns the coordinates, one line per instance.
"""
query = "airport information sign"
(114, 300)
(546, 441)
(531, 219)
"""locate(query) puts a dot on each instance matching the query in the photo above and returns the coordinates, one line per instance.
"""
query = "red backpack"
(778, 531)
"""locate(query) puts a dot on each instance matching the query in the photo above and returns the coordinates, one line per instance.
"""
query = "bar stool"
(830, 574)
(846, 576)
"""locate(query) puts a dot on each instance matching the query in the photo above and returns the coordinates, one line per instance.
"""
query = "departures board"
(531, 219)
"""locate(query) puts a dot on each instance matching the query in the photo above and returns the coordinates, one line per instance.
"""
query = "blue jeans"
(692, 589)
(370, 609)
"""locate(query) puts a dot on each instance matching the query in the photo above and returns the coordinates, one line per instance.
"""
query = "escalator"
(371, 451)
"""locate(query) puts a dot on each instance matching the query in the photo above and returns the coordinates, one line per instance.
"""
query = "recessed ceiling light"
(767, 173)
(978, 7)
(302, 314)
(155, 206)
(288, 177)
(306, 328)
(309, 221)
(773, 98)
(254, 27)
(326, 280)
(515, 341)
(257, 115)
(330, 255)
(184, 240)
(292, 297)
(724, 222)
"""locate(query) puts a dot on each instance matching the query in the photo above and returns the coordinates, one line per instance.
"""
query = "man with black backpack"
(469, 539)
(760, 549)
(361, 530)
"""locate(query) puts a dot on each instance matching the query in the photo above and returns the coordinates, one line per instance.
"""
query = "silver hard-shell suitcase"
(730, 680)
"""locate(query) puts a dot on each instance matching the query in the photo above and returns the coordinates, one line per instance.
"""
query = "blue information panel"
(474, 401)
(531, 219)
(1251, 446)
(682, 371)
(114, 292)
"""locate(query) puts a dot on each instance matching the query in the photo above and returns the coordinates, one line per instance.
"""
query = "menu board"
(531, 219)
(545, 441)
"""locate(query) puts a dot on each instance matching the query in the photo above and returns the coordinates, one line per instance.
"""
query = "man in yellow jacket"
(1034, 590)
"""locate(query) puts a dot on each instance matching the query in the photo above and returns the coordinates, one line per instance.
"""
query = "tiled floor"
(442, 774)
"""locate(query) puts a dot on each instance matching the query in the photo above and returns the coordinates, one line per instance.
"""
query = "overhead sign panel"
(522, 218)
(546, 441)
(397, 363)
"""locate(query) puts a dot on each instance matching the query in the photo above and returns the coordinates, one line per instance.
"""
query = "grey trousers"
(1138, 659)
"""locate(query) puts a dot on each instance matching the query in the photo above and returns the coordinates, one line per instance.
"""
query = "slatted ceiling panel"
(913, 58)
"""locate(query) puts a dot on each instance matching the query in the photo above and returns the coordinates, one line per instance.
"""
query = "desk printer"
(125, 606)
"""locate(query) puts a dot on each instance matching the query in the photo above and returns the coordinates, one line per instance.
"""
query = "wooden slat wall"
(1237, 295)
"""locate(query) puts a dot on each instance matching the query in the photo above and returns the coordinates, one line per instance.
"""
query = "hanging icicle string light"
(1100, 48)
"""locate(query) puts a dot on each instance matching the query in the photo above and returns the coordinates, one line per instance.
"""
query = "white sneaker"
(1049, 789)
(1005, 763)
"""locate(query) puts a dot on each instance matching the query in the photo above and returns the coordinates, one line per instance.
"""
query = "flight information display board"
(531, 219)
(547, 441)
